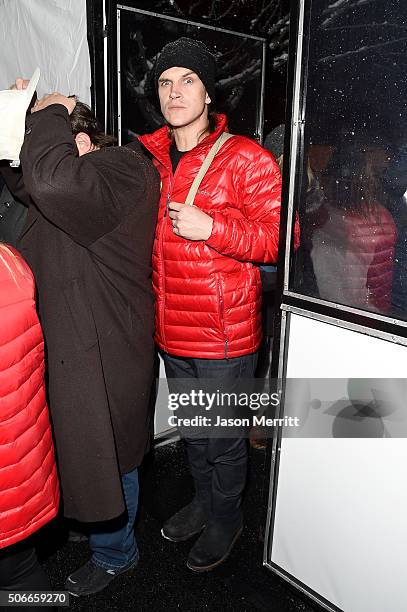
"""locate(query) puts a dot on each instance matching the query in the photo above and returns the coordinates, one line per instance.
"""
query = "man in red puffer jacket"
(207, 286)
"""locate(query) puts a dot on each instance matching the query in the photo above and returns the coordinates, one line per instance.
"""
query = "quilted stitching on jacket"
(29, 492)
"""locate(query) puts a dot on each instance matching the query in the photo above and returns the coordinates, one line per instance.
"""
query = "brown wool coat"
(88, 240)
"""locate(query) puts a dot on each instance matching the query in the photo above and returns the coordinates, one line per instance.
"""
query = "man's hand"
(190, 222)
(20, 84)
(55, 98)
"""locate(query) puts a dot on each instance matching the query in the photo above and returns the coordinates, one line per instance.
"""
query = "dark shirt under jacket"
(175, 156)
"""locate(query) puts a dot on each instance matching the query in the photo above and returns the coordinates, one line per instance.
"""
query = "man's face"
(183, 97)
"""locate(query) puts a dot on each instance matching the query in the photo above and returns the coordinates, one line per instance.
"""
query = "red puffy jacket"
(208, 293)
(353, 257)
(29, 491)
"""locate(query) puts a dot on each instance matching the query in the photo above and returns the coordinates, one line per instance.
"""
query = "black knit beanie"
(191, 54)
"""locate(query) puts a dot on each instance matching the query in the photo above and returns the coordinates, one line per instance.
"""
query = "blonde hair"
(5, 250)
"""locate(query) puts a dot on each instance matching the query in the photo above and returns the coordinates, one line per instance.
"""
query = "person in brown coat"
(88, 239)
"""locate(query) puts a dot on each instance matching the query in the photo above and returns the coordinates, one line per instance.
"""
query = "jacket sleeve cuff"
(216, 239)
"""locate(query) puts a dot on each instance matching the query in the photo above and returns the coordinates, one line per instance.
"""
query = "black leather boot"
(214, 545)
(189, 521)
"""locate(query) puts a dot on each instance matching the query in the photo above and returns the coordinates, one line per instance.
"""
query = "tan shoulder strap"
(203, 170)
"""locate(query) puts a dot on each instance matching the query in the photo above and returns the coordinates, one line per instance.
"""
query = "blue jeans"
(113, 543)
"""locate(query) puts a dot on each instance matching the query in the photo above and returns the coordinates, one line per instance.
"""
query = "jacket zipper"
(162, 307)
(164, 223)
(222, 317)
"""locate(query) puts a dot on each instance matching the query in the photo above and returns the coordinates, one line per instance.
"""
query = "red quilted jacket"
(208, 293)
(353, 257)
(29, 492)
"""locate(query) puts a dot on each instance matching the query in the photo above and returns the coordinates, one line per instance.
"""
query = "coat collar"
(159, 142)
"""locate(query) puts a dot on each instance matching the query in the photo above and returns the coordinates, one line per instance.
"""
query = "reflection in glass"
(353, 241)
(353, 164)
(395, 183)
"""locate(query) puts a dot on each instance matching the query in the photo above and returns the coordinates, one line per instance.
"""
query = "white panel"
(340, 523)
(341, 504)
(319, 350)
(161, 406)
(51, 35)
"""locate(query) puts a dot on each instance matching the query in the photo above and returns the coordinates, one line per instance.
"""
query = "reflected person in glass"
(353, 249)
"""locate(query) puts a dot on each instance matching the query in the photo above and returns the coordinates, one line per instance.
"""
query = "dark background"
(357, 55)
(265, 18)
(239, 61)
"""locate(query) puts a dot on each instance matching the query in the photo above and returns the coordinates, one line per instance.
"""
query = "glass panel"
(354, 171)
(240, 65)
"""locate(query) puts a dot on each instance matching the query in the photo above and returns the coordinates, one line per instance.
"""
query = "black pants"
(20, 571)
(218, 465)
